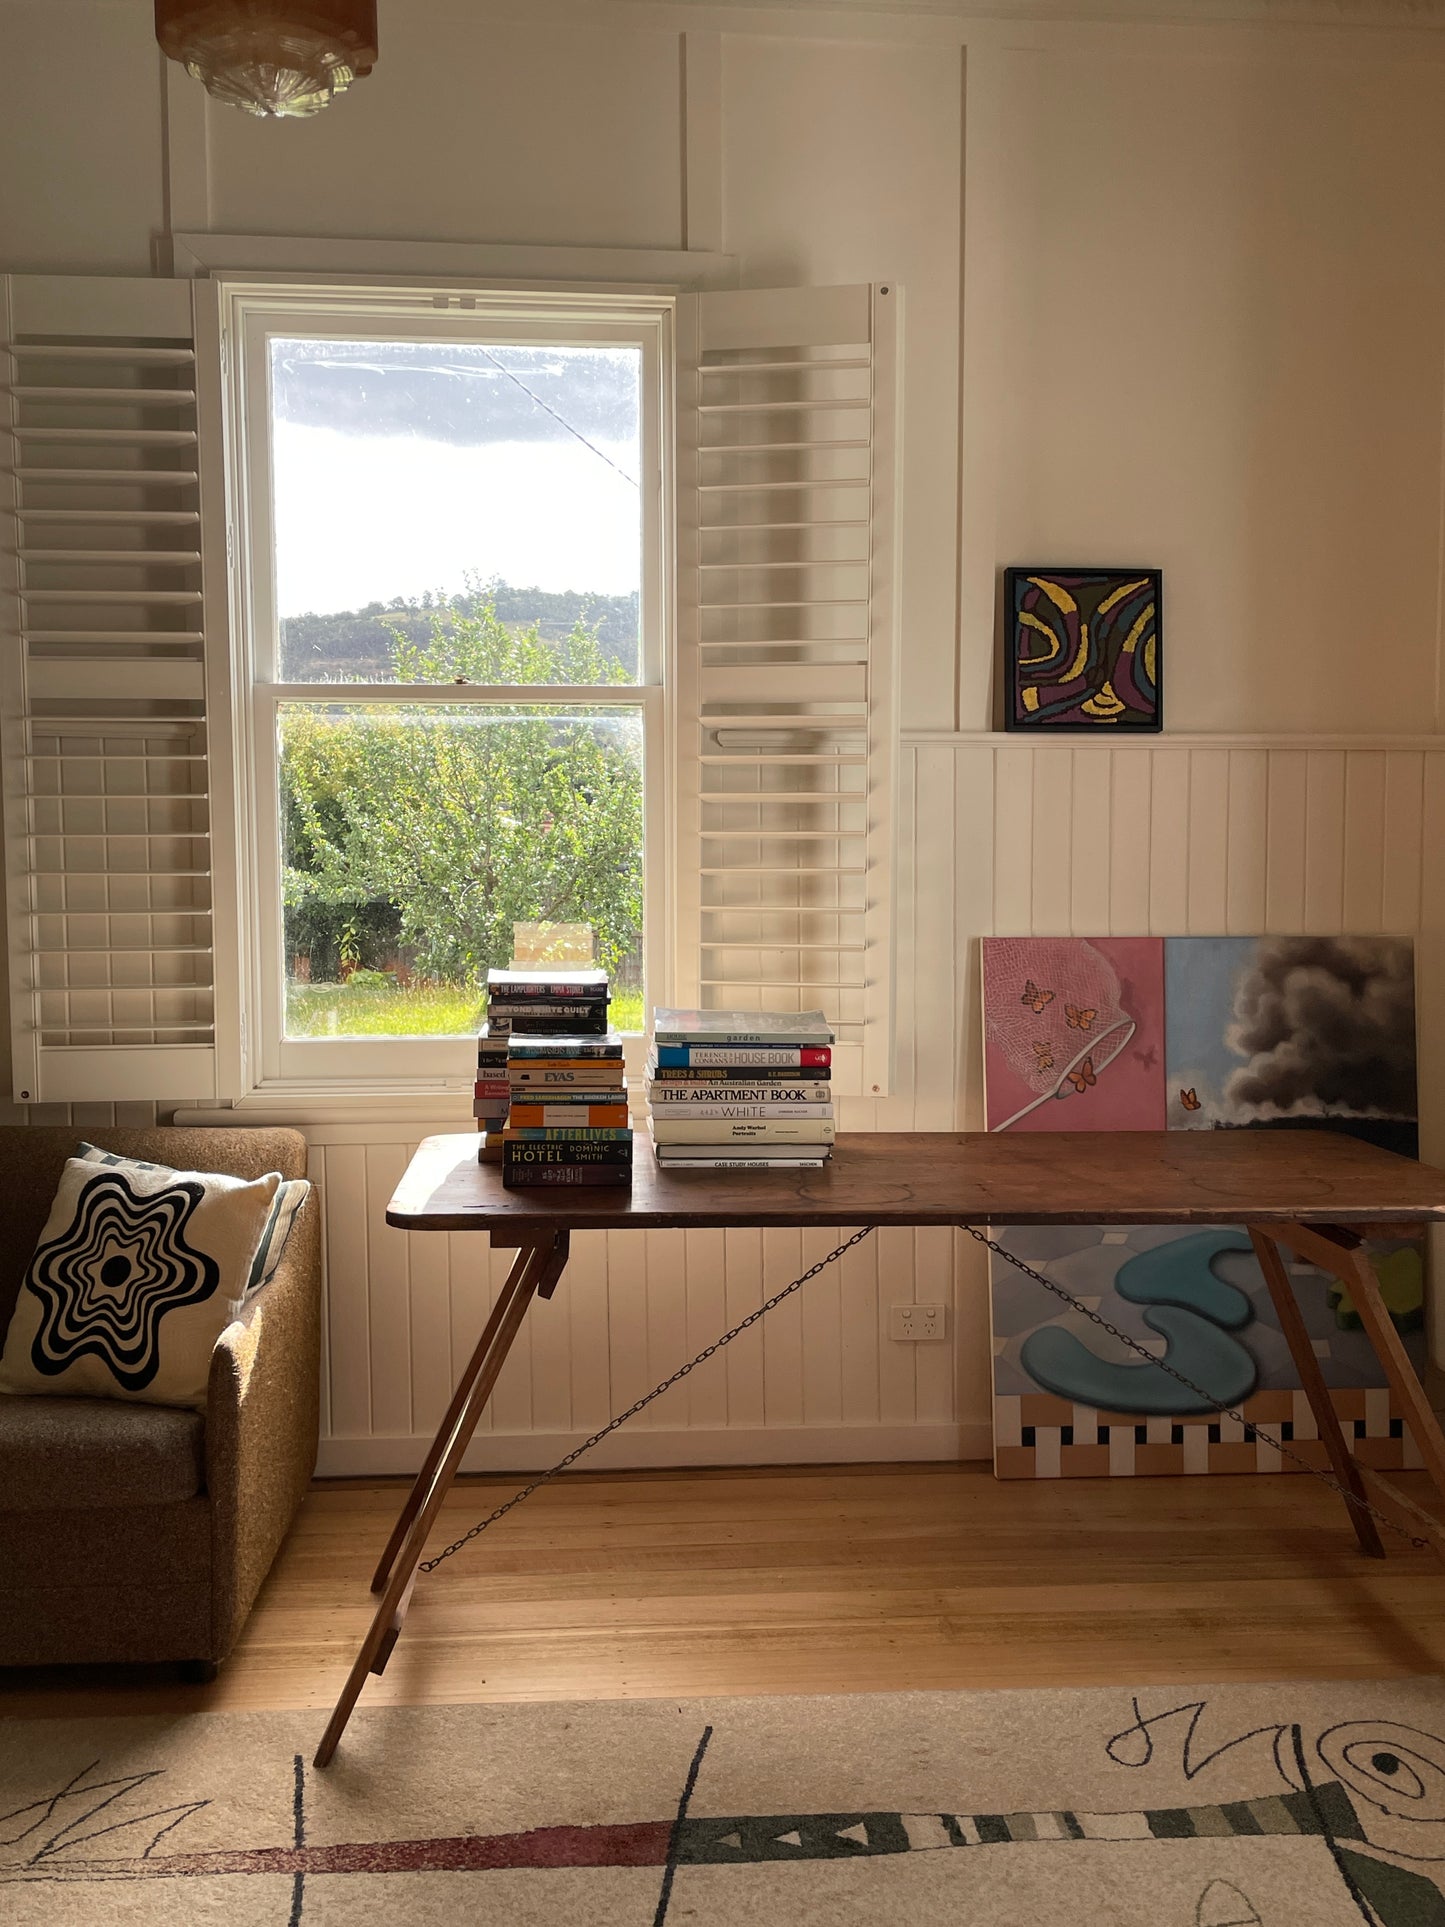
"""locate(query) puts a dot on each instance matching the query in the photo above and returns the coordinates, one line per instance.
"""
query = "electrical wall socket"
(917, 1323)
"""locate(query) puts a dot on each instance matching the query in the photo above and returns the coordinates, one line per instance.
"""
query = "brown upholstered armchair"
(143, 1532)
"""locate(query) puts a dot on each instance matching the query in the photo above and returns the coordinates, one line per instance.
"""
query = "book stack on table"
(528, 1003)
(547, 1003)
(491, 1094)
(750, 1089)
(567, 1120)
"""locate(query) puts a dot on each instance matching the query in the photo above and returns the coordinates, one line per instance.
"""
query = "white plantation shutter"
(785, 710)
(116, 710)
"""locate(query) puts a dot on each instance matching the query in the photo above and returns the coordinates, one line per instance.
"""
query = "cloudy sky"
(406, 467)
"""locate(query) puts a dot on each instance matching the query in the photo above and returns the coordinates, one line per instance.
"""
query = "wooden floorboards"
(819, 1580)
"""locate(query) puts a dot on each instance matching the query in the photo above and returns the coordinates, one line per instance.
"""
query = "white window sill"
(396, 1101)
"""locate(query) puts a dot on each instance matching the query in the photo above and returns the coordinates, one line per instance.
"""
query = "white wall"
(82, 179)
(1209, 293)
(1172, 294)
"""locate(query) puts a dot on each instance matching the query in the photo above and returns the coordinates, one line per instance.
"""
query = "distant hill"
(357, 643)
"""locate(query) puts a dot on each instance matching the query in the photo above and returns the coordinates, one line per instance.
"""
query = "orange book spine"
(533, 1116)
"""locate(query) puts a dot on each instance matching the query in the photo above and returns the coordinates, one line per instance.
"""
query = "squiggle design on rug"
(1378, 1804)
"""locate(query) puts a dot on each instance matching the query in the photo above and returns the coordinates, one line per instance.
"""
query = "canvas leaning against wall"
(1201, 1033)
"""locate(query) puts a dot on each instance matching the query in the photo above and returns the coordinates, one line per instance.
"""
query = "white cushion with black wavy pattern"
(288, 1201)
(136, 1275)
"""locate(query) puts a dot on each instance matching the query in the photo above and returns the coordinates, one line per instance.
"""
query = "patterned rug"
(1242, 1806)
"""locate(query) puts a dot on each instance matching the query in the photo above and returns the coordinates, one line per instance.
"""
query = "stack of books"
(491, 1094)
(547, 1003)
(567, 1119)
(746, 1089)
(528, 1003)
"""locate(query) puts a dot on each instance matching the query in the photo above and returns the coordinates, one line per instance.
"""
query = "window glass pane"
(447, 509)
(415, 837)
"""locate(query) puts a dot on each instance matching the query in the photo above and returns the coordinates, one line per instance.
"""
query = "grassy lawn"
(434, 1010)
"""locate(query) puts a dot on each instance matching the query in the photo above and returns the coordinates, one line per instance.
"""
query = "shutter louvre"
(786, 672)
(108, 767)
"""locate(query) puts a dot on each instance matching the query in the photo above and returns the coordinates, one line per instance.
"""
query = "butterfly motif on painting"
(1081, 1079)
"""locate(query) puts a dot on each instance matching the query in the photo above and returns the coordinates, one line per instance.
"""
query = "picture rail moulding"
(1347, 13)
(199, 256)
(1042, 741)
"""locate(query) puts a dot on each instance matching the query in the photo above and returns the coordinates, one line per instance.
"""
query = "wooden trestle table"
(1311, 1193)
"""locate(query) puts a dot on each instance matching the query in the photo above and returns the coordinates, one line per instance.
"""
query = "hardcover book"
(762, 1113)
(720, 1159)
(566, 1045)
(517, 1178)
(741, 1027)
(718, 1130)
(681, 1076)
(743, 1056)
(514, 1027)
(602, 1074)
(550, 1012)
(530, 1152)
(541, 1115)
(701, 1097)
(574, 982)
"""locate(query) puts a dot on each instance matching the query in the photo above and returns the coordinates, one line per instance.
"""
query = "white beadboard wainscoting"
(816, 1380)
(997, 835)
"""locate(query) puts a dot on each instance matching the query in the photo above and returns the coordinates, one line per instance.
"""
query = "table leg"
(1292, 1324)
(1342, 1254)
(437, 1449)
(517, 1294)
(1358, 1275)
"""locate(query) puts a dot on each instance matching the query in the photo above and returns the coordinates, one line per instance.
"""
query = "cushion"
(32, 1157)
(136, 1275)
(70, 1453)
(292, 1194)
(289, 1199)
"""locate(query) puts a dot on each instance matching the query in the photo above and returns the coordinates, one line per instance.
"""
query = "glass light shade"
(273, 58)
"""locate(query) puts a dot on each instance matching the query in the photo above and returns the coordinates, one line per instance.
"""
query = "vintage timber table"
(1312, 1193)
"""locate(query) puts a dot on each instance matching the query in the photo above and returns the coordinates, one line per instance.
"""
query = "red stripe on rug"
(638, 1844)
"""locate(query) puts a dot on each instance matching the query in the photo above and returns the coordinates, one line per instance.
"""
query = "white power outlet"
(917, 1323)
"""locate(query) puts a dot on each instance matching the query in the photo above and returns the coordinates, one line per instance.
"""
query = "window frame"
(252, 315)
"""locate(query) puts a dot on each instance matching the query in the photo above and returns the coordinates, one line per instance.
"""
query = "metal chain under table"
(1355, 1501)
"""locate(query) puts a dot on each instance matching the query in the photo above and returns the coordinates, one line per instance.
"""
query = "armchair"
(133, 1532)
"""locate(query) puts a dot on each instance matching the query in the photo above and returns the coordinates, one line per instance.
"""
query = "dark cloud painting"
(1289, 1033)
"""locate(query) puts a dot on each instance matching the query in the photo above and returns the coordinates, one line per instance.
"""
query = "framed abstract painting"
(1082, 650)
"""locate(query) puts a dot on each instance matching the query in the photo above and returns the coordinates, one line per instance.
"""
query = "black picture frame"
(1085, 706)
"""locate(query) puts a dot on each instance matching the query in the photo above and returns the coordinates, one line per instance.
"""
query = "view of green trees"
(415, 836)
(356, 645)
